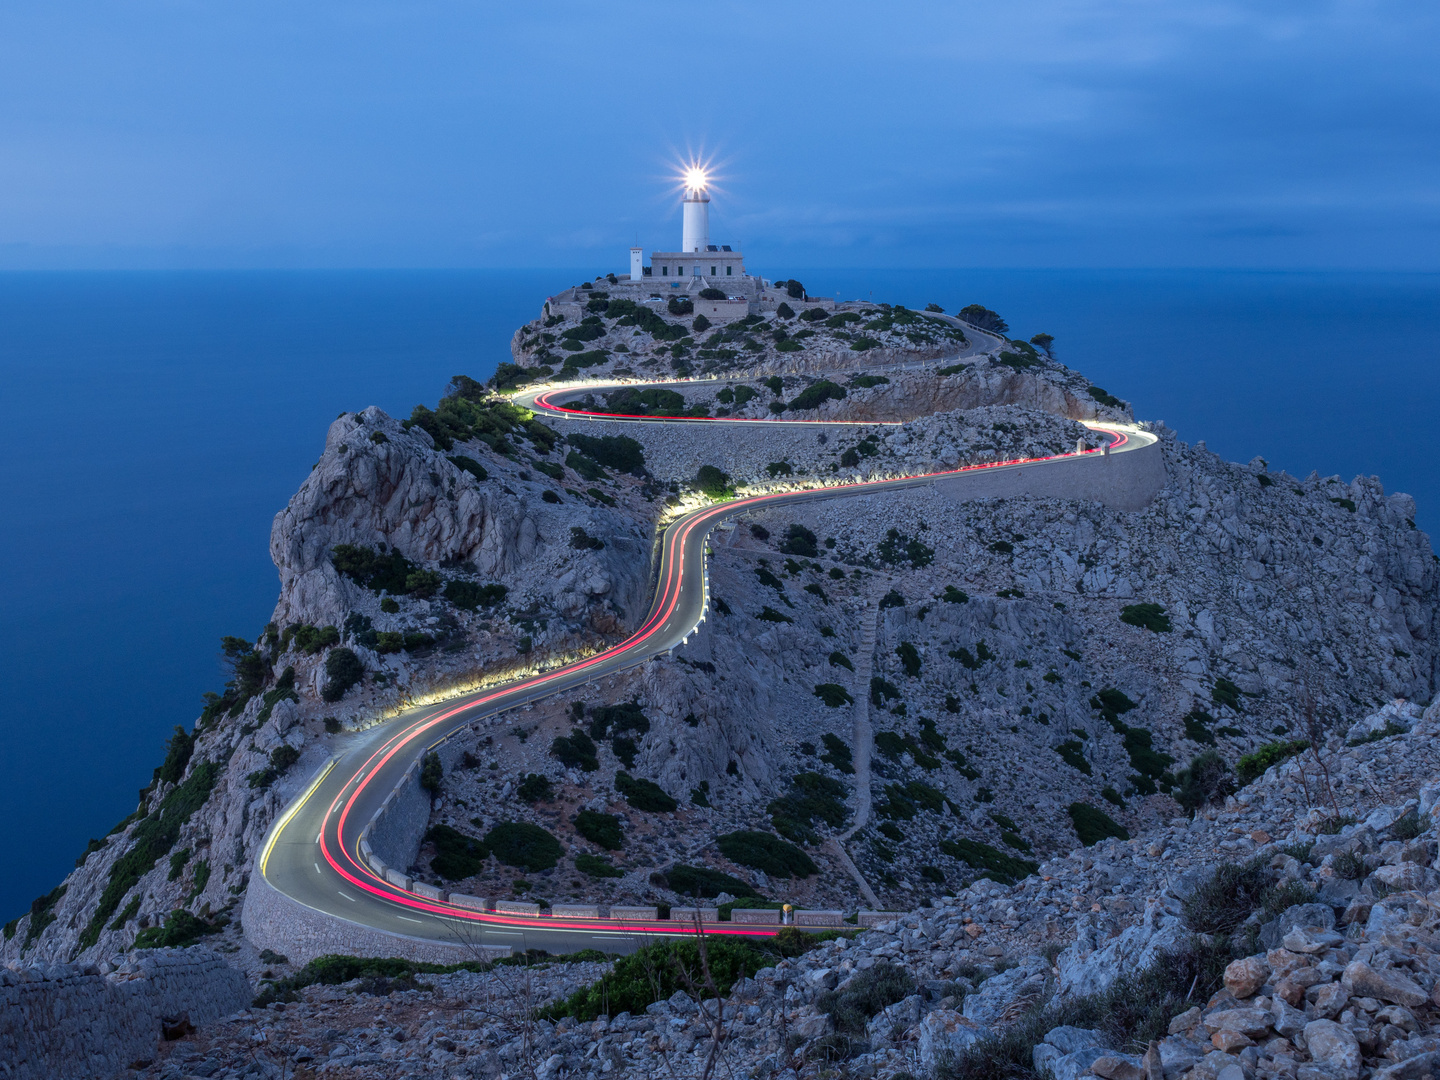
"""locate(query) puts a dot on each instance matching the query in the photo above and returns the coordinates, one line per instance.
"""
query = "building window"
(727, 271)
(664, 271)
(679, 271)
(712, 271)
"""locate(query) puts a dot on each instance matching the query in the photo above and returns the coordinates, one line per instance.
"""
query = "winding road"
(313, 853)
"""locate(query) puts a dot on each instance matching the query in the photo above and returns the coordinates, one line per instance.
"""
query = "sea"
(154, 423)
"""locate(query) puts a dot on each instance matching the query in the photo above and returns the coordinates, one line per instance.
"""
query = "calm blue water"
(155, 423)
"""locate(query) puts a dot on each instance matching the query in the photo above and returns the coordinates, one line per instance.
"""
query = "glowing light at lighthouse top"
(696, 225)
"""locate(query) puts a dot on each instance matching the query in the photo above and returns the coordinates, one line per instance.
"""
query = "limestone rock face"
(403, 494)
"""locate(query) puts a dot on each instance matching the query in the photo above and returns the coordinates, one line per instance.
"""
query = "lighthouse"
(696, 231)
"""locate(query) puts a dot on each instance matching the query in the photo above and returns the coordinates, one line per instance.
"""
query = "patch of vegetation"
(1146, 616)
(893, 745)
(904, 801)
(469, 596)
(765, 852)
(576, 751)
(181, 929)
(815, 395)
(881, 691)
(535, 788)
(865, 996)
(519, 843)
(952, 595)
(457, 856)
(1253, 765)
(1207, 780)
(644, 794)
(991, 861)
(1195, 729)
(811, 797)
(909, 658)
(1105, 398)
(152, 839)
(1226, 694)
(343, 670)
(281, 758)
(705, 883)
(600, 829)
(769, 614)
(799, 541)
(833, 694)
(898, 548)
(1073, 751)
(42, 914)
(712, 482)
(1093, 825)
(618, 452)
(597, 866)
(837, 754)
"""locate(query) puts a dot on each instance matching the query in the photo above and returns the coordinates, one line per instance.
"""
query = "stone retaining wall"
(273, 920)
(395, 831)
(1129, 480)
(88, 1020)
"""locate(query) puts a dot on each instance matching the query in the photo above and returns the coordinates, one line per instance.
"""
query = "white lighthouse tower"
(696, 232)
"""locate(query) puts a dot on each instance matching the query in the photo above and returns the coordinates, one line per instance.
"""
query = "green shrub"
(580, 540)
(892, 599)
(343, 670)
(909, 658)
(766, 853)
(181, 929)
(644, 794)
(151, 839)
(432, 775)
(799, 541)
(600, 829)
(376, 572)
(618, 452)
(952, 595)
(1093, 825)
(815, 395)
(311, 640)
(1205, 781)
(1146, 616)
(518, 843)
(281, 758)
(839, 659)
(811, 797)
(1253, 765)
(585, 467)
(769, 614)
(712, 482)
(984, 318)
(1195, 729)
(701, 881)
(535, 788)
(1073, 751)
(469, 465)
(867, 995)
(864, 343)
(680, 305)
(457, 856)
(1226, 694)
(575, 751)
(471, 597)
(837, 754)
(833, 694)
(881, 691)
(655, 972)
(597, 866)
(993, 862)
(627, 716)
(42, 914)
(1104, 397)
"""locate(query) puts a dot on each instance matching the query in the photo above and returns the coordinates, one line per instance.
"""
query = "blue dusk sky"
(1058, 133)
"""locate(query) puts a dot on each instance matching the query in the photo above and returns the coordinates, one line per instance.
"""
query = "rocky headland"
(1041, 726)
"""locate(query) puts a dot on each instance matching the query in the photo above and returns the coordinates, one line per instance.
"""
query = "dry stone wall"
(84, 1020)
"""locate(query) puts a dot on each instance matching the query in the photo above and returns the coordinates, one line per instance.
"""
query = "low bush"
(712, 482)
(867, 995)
(837, 754)
(618, 452)
(343, 670)
(535, 788)
(815, 395)
(1073, 751)
(811, 797)
(892, 599)
(769, 614)
(909, 658)
(1253, 765)
(680, 305)
(597, 866)
(839, 659)
(1093, 825)
(181, 929)
(585, 467)
(468, 596)
(799, 541)
(1146, 616)
(457, 856)
(580, 540)
(1207, 780)
(703, 882)
(993, 862)
(575, 751)
(281, 758)
(470, 465)
(833, 694)
(600, 829)
(519, 843)
(765, 852)
(644, 794)
(627, 716)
